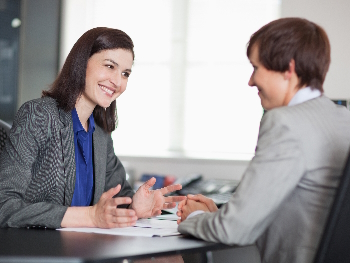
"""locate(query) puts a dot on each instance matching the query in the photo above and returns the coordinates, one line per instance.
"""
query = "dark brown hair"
(70, 83)
(285, 39)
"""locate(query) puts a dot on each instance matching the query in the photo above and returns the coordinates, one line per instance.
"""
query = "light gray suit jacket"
(37, 166)
(286, 192)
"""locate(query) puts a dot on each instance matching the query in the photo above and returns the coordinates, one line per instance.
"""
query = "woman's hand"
(207, 201)
(194, 203)
(148, 203)
(105, 213)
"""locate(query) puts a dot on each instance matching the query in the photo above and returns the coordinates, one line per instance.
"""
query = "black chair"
(335, 243)
(4, 133)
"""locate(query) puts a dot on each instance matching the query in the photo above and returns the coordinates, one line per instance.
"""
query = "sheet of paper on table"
(144, 227)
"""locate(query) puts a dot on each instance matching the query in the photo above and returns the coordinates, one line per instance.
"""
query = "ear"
(291, 70)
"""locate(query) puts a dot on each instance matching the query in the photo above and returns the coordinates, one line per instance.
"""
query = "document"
(144, 227)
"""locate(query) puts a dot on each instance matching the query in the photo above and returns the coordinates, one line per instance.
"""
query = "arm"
(29, 188)
(104, 214)
(269, 179)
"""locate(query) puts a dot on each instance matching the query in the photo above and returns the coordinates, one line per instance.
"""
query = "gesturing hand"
(105, 213)
(148, 203)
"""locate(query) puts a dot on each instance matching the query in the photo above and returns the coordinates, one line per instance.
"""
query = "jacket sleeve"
(269, 180)
(26, 181)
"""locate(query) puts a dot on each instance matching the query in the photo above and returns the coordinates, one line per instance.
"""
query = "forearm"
(78, 217)
(17, 213)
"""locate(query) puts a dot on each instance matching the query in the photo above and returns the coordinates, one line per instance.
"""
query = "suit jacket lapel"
(68, 153)
(99, 148)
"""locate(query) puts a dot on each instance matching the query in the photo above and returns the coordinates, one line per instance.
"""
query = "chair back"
(335, 242)
(4, 133)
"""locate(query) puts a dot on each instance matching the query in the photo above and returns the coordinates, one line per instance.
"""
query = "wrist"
(91, 216)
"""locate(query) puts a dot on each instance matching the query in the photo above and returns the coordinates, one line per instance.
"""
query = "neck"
(84, 111)
(293, 88)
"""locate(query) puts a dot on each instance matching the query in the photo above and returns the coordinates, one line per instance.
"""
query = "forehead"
(254, 54)
(118, 55)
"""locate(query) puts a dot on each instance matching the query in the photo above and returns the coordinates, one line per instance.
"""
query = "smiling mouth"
(108, 91)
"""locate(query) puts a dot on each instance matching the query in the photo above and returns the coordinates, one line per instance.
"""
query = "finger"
(170, 188)
(170, 199)
(122, 201)
(124, 212)
(169, 205)
(120, 225)
(124, 219)
(147, 185)
(112, 192)
(203, 199)
(181, 204)
(198, 197)
(156, 213)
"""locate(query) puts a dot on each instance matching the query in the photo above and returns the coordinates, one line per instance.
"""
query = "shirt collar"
(77, 126)
(303, 95)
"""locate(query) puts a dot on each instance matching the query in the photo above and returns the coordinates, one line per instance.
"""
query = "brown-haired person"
(285, 194)
(58, 168)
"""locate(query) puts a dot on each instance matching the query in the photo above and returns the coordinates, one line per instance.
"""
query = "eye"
(110, 66)
(126, 74)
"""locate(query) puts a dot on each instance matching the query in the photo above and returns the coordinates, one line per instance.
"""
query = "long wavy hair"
(70, 82)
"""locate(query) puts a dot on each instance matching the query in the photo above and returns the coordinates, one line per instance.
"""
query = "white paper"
(143, 227)
(156, 223)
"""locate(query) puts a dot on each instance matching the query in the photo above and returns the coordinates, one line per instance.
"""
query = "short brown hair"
(285, 39)
(70, 83)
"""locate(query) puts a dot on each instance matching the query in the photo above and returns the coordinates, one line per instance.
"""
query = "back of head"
(70, 83)
(285, 39)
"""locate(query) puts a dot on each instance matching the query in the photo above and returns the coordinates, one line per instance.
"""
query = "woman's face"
(273, 86)
(107, 74)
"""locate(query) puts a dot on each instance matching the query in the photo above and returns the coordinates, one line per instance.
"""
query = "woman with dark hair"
(58, 168)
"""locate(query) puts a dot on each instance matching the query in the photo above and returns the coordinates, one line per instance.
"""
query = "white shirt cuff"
(197, 212)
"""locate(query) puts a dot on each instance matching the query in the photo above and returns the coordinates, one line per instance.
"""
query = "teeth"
(110, 92)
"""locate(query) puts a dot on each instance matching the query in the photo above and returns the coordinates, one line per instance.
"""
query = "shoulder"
(40, 106)
(38, 113)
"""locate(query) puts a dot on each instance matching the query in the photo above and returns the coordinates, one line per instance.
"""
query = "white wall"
(334, 17)
(181, 167)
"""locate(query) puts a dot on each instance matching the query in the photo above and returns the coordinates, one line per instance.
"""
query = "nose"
(116, 79)
(251, 81)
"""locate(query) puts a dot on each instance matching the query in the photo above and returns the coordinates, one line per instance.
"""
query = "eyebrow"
(116, 64)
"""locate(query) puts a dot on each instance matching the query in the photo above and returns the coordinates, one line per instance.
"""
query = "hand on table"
(194, 203)
(148, 203)
(105, 213)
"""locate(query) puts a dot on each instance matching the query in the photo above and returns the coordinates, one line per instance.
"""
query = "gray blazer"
(37, 166)
(286, 192)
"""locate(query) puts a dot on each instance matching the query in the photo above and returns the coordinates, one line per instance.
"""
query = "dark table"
(45, 245)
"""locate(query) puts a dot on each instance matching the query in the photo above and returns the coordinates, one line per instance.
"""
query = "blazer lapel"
(99, 148)
(68, 153)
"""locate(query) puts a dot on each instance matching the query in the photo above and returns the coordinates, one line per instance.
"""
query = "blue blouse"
(83, 160)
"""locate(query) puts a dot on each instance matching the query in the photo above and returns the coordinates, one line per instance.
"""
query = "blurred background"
(188, 108)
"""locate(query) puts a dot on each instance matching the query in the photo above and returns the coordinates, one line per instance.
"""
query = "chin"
(105, 104)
